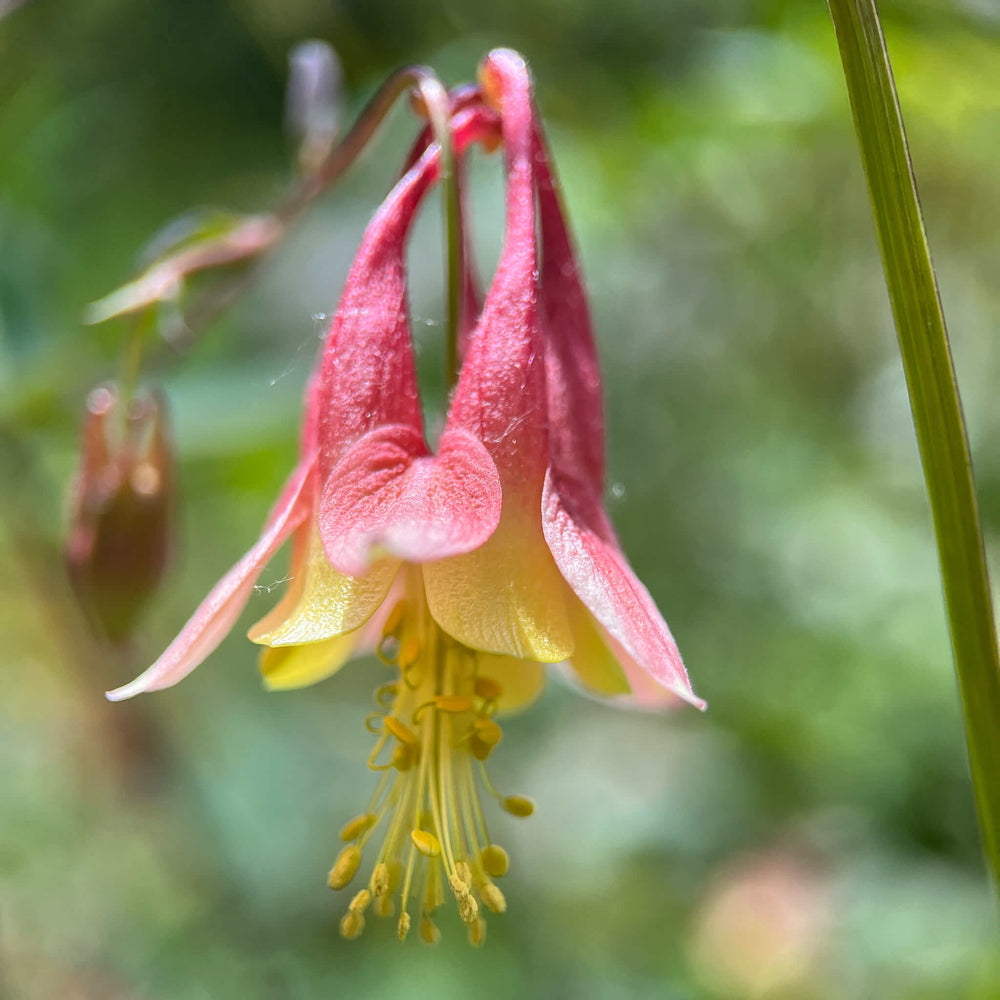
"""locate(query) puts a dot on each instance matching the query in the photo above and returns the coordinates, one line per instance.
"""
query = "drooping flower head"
(468, 567)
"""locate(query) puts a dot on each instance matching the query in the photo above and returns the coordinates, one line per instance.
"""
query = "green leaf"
(934, 398)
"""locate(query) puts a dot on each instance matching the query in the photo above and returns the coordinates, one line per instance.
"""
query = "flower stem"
(934, 398)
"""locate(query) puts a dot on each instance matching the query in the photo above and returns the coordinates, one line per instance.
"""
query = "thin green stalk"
(934, 398)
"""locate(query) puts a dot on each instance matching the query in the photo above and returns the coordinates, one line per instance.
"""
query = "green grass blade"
(934, 398)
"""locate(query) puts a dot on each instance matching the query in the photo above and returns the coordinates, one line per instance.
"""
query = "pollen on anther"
(429, 931)
(477, 932)
(345, 867)
(493, 897)
(351, 925)
(379, 884)
(357, 826)
(361, 902)
(403, 928)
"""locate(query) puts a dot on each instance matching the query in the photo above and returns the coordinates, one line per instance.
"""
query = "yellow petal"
(521, 681)
(322, 603)
(507, 596)
(287, 667)
(593, 662)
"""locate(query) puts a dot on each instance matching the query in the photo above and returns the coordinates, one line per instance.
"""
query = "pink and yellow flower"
(467, 568)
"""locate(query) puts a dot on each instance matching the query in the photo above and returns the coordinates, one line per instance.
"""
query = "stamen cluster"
(435, 729)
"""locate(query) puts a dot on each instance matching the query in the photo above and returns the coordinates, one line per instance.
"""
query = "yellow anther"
(458, 886)
(479, 749)
(425, 842)
(402, 732)
(404, 757)
(487, 731)
(493, 897)
(403, 927)
(379, 883)
(464, 872)
(409, 652)
(345, 867)
(477, 933)
(495, 860)
(486, 687)
(468, 908)
(351, 925)
(357, 826)
(518, 805)
(429, 932)
(384, 906)
(361, 902)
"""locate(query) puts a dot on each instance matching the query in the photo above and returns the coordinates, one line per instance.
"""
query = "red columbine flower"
(468, 568)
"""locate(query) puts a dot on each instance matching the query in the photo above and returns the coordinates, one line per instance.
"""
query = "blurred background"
(812, 835)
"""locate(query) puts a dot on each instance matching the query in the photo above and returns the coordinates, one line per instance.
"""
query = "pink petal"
(388, 494)
(599, 575)
(217, 614)
(572, 371)
(500, 396)
(366, 377)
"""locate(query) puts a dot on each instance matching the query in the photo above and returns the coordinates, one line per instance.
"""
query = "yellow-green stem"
(934, 398)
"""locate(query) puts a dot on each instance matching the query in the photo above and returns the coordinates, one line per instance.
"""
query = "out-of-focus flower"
(119, 510)
(468, 568)
(763, 927)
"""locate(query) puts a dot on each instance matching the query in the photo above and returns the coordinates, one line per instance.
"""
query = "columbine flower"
(469, 568)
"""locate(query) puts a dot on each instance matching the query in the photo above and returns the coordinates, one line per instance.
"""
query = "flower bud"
(119, 510)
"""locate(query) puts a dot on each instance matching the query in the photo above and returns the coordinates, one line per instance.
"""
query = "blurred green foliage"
(812, 835)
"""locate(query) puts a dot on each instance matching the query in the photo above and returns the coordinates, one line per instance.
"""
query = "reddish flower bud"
(119, 510)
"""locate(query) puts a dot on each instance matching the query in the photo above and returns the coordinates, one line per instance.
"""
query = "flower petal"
(217, 614)
(506, 596)
(572, 370)
(598, 573)
(323, 603)
(366, 377)
(388, 495)
(593, 662)
(285, 668)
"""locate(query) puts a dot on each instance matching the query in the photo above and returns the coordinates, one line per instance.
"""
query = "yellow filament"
(429, 932)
